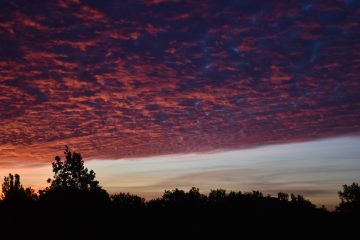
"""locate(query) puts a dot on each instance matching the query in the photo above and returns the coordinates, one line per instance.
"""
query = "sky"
(137, 82)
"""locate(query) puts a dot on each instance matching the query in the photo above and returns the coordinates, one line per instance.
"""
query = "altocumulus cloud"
(117, 79)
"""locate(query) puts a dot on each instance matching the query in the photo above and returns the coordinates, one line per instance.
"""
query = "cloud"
(121, 79)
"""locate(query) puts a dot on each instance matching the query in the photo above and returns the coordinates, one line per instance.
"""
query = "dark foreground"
(177, 214)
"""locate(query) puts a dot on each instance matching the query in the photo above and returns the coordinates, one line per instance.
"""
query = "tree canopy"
(71, 173)
(14, 193)
(73, 184)
(350, 199)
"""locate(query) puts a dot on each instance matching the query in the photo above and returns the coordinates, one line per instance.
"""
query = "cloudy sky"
(197, 90)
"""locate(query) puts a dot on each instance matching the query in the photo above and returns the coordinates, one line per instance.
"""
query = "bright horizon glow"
(315, 169)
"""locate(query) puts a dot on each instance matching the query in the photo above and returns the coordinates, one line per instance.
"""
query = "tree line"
(74, 195)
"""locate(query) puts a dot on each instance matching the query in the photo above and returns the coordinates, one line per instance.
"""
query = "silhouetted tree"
(301, 202)
(256, 194)
(127, 200)
(217, 195)
(195, 198)
(14, 193)
(350, 199)
(174, 197)
(235, 197)
(71, 173)
(283, 196)
(72, 183)
(180, 199)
